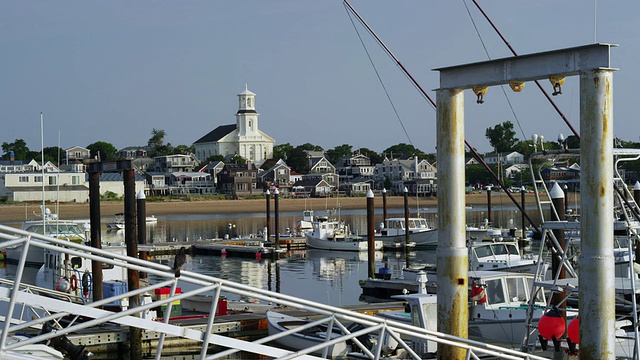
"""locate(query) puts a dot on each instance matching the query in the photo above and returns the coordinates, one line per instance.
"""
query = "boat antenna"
(433, 103)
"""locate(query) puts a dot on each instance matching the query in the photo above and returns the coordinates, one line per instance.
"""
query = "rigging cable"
(424, 93)
(379, 78)
(536, 81)
(489, 57)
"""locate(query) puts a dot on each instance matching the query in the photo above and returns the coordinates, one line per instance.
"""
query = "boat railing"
(199, 284)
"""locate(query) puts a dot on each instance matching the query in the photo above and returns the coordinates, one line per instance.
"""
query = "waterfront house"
(238, 180)
(311, 187)
(213, 168)
(76, 154)
(114, 183)
(418, 176)
(321, 168)
(354, 166)
(244, 138)
(65, 186)
(275, 173)
(504, 158)
(175, 163)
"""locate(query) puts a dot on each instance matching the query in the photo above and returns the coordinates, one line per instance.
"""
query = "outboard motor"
(63, 344)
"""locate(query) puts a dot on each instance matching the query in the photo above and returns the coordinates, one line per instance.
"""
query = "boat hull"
(278, 323)
(341, 244)
(421, 239)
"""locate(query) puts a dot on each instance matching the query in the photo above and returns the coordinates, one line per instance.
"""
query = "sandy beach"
(20, 212)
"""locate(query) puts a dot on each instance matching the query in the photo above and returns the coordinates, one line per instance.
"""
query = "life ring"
(478, 294)
(74, 282)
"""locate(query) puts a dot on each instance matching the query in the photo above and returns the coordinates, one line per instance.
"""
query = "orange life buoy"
(74, 282)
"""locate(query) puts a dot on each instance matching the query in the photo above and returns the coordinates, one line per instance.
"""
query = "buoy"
(223, 252)
(574, 330)
(258, 255)
(551, 325)
(478, 294)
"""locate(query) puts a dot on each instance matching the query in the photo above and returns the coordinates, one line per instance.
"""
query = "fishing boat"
(421, 234)
(117, 222)
(335, 235)
(45, 223)
(498, 306)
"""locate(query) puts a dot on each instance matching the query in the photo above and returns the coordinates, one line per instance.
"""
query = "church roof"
(216, 134)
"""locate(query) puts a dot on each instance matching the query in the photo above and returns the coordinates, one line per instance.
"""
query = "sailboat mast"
(44, 218)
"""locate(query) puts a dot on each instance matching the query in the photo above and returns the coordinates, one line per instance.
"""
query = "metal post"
(371, 236)
(267, 196)
(384, 205)
(133, 277)
(452, 253)
(557, 268)
(596, 281)
(142, 225)
(636, 199)
(565, 190)
(489, 206)
(407, 232)
(523, 192)
(96, 242)
(276, 194)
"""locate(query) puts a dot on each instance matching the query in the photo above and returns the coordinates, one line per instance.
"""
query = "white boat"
(497, 307)
(279, 322)
(502, 256)
(47, 224)
(72, 275)
(334, 235)
(306, 224)
(482, 231)
(152, 219)
(117, 223)
(421, 234)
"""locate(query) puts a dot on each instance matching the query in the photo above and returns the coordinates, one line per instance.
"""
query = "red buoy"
(574, 330)
(551, 325)
(259, 255)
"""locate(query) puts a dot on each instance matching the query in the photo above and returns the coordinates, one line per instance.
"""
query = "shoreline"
(20, 212)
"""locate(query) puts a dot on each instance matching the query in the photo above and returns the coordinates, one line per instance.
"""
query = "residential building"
(418, 176)
(321, 168)
(76, 154)
(53, 185)
(114, 183)
(12, 166)
(504, 158)
(275, 173)
(213, 168)
(244, 138)
(354, 166)
(175, 163)
(238, 180)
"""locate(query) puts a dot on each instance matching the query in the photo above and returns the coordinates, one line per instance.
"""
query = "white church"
(242, 138)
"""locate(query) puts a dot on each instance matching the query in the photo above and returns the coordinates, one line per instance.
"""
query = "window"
(52, 180)
(37, 179)
(23, 179)
(75, 180)
(495, 291)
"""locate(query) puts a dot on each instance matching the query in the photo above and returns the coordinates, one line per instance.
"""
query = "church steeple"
(246, 101)
(247, 117)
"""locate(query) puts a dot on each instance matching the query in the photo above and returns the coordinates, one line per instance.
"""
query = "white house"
(504, 158)
(243, 138)
(64, 186)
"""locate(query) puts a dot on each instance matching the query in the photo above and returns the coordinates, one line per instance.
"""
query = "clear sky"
(114, 70)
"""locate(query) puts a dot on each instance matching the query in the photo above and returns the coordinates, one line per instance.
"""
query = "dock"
(240, 247)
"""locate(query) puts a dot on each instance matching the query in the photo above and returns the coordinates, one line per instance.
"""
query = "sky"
(115, 70)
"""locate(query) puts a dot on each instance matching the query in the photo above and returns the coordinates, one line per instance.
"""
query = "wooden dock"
(241, 247)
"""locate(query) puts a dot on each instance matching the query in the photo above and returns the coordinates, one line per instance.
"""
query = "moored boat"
(335, 235)
(420, 233)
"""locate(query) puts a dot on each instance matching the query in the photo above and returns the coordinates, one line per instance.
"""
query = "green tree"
(156, 142)
(103, 150)
(404, 150)
(19, 148)
(282, 151)
(237, 159)
(183, 150)
(502, 137)
(214, 158)
(334, 155)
